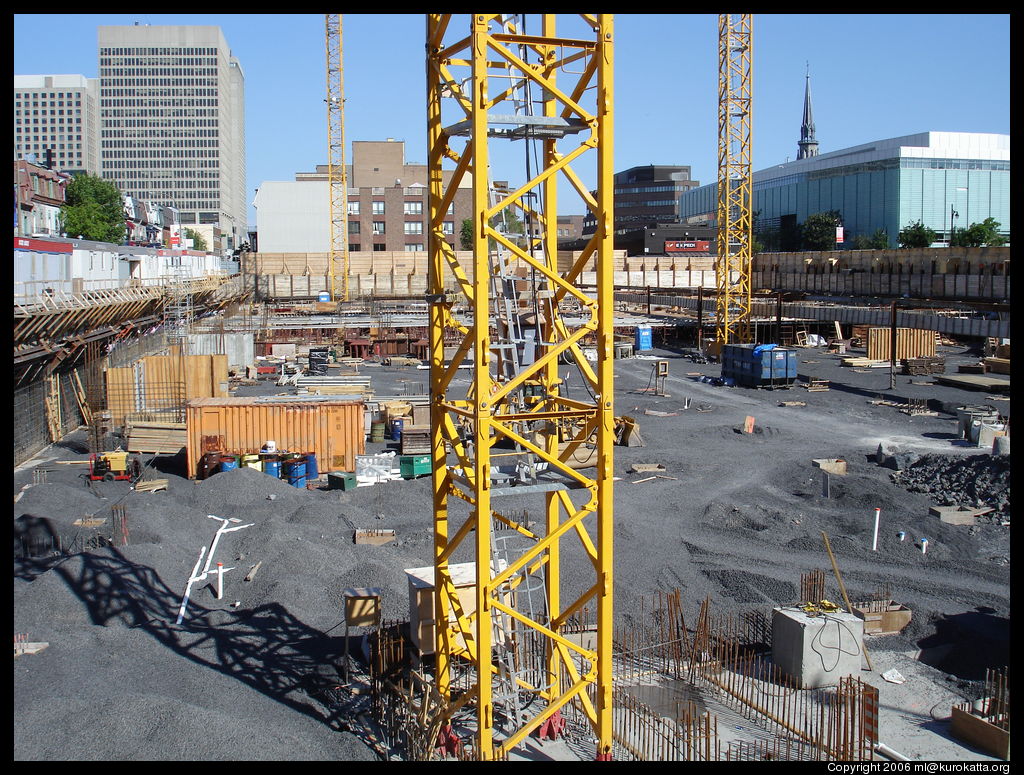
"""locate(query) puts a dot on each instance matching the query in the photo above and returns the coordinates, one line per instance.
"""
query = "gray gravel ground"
(739, 523)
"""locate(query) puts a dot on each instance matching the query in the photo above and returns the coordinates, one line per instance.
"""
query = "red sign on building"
(687, 246)
(41, 246)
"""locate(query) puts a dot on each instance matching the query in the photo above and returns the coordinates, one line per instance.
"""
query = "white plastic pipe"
(874, 544)
(885, 750)
(220, 581)
(192, 579)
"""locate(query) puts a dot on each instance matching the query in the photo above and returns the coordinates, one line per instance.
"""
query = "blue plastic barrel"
(396, 428)
(228, 462)
(644, 339)
(272, 466)
(295, 470)
(312, 472)
(323, 296)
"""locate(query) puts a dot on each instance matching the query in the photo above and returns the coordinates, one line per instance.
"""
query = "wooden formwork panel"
(333, 430)
(159, 382)
(910, 343)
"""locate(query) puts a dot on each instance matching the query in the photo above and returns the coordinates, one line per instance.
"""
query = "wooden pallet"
(415, 441)
(817, 386)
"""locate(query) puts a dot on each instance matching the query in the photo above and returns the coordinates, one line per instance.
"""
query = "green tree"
(198, 243)
(93, 209)
(506, 221)
(466, 234)
(916, 235)
(877, 241)
(979, 235)
(819, 231)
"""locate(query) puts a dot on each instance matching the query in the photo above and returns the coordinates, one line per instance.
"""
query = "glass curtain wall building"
(941, 179)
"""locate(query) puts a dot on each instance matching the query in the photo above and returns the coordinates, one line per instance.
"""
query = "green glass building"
(938, 178)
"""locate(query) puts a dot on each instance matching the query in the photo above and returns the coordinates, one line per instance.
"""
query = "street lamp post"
(953, 213)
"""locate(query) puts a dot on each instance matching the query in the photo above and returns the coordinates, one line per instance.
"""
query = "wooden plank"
(974, 382)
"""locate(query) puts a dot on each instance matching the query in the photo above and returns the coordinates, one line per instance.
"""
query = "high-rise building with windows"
(172, 129)
(59, 114)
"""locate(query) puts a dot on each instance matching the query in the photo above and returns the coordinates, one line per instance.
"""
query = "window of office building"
(354, 247)
(448, 227)
(353, 208)
(378, 246)
(378, 227)
(353, 227)
(414, 208)
(414, 248)
(414, 227)
(378, 208)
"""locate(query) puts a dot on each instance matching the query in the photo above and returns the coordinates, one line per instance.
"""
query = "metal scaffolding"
(490, 84)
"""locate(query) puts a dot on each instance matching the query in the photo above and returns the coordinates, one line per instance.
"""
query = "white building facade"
(59, 113)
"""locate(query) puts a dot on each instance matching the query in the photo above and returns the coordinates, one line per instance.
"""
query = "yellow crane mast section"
(486, 85)
(337, 175)
(735, 223)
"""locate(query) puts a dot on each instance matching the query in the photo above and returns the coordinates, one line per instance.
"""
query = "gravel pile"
(736, 517)
(977, 481)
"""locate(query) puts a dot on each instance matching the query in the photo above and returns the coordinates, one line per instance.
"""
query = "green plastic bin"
(341, 480)
(412, 466)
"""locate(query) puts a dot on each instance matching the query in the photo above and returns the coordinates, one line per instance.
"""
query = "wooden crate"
(910, 343)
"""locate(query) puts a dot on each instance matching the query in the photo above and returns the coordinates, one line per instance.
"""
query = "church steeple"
(808, 145)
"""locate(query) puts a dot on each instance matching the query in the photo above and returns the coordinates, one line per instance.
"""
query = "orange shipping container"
(331, 428)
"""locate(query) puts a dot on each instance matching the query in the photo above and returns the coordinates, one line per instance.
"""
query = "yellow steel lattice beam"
(336, 173)
(476, 79)
(735, 236)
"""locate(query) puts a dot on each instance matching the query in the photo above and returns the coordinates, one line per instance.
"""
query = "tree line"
(818, 232)
(93, 209)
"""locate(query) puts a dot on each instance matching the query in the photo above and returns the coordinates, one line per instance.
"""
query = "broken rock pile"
(977, 481)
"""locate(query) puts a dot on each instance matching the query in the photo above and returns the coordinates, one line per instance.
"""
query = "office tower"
(60, 114)
(172, 125)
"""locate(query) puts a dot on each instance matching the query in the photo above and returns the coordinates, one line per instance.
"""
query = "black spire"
(808, 145)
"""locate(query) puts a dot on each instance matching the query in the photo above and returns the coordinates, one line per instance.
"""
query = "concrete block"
(816, 650)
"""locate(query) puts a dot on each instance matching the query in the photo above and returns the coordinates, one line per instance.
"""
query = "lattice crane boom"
(735, 221)
(337, 175)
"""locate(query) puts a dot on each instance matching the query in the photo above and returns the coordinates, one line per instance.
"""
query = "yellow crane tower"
(336, 173)
(493, 84)
(735, 222)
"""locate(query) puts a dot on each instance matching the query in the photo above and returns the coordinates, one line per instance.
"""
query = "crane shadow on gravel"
(265, 648)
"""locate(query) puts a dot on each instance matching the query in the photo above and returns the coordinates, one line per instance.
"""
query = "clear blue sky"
(873, 76)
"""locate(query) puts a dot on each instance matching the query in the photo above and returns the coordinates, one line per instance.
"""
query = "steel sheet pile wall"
(332, 429)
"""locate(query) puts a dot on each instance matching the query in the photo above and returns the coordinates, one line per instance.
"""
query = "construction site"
(520, 503)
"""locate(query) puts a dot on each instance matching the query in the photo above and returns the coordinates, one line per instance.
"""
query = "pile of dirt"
(977, 481)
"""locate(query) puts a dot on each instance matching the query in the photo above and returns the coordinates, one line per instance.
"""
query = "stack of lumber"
(156, 437)
(337, 385)
(864, 363)
(415, 440)
(923, 365)
(151, 485)
(997, 365)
